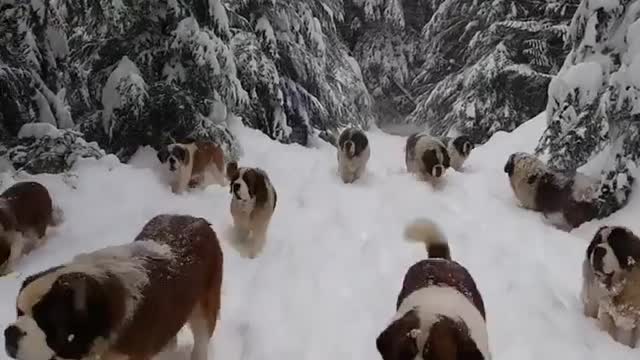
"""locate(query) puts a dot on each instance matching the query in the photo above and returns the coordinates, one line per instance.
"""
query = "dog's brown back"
(435, 272)
(190, 281)
(26, 206)
(207, 153)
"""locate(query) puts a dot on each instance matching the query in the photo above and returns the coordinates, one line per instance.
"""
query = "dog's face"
(398, 340)
(239, 184)
(436, 161)
(58, 317)
(175, 154)
(510, 166)
(463, 145)
(613, 251)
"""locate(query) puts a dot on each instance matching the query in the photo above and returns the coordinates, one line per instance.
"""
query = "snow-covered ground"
(327, 282)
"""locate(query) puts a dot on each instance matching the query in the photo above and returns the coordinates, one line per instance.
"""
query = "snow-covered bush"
(594, 101)
(42, 148)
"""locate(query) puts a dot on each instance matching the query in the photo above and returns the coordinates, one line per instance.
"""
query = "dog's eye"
(20, 312)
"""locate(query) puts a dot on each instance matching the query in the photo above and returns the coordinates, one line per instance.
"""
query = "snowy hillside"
(334, 261)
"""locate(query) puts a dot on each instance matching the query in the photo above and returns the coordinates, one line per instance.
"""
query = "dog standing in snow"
(353, 154)
(440, 313)
(459, 149)
(194, 164)
(611, 283)
(252, 206)
(561, 198)
(126, 301)
(26, 211)
(426, 156)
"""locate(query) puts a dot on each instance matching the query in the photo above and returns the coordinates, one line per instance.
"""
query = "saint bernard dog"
(26, 211)
(611, 283)
(252, 206)
(124, 302)
(459, 149)
(564, 199)
(440, 313)
(194, 164)
(426, 156)
(353, 154)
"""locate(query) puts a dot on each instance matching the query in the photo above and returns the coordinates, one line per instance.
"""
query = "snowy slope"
(327, 282)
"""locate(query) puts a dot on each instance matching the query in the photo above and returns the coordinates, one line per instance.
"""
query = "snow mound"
(327, 281)
(38, 130)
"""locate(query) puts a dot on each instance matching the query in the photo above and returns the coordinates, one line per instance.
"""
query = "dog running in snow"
(426, 156)
(194, 164)
(353, 154)
(253, 203)
(26, 211)
(440, 313)
(126, 301)
(611, 283)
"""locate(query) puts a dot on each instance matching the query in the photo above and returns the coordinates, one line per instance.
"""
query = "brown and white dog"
(124, 302)
(611, 283)
(353, 154)
(194, 164)
(565, 200)
(426, 156)
(459, 149)
(26, 211)
(439, 312)
(252, 206)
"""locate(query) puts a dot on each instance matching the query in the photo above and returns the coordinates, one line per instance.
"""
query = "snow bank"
(333, 264)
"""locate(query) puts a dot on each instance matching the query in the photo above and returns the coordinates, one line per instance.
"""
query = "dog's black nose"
(12, 336)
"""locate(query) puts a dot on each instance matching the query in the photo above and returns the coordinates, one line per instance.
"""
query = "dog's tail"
(428, 232)
(57, 216)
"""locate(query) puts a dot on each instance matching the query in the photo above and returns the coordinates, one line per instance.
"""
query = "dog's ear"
(163, 154)
(446, 160)
(232, 170)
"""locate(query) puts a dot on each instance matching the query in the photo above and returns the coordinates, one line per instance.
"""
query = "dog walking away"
(426, 156)
(353, 154)
(611, 283)
(253, 203)
(440, 313)
(124, 302)
(194, 164)
(26, 211)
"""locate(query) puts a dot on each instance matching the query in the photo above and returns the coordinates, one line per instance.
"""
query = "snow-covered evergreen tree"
(146, 72)
(298, 74)
(459, 65)
(594, 101)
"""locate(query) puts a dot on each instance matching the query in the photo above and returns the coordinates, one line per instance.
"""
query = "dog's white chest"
(242, 206)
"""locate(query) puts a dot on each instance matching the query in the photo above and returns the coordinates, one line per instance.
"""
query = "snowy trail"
(327, 281)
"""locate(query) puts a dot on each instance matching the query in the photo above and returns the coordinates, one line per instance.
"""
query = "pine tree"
(594, 100)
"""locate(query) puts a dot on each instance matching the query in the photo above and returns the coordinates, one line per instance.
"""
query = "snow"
(264, 26)
(38, 130)
(125, 71)
(327, 281)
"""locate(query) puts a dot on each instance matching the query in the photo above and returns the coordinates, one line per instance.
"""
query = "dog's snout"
(12, 336)
(437, 171)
